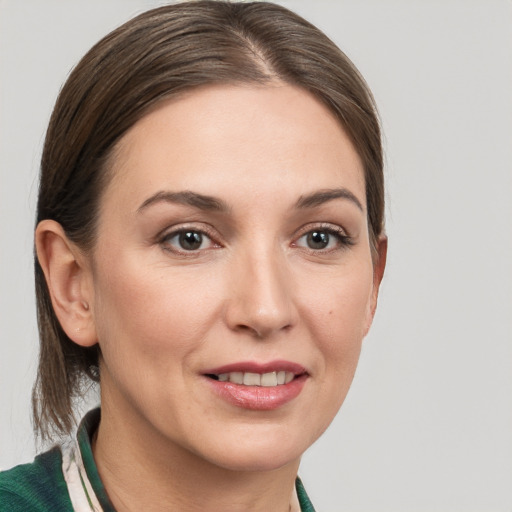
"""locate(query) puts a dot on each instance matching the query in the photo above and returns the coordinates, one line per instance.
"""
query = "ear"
(69, 281)
(379, 266)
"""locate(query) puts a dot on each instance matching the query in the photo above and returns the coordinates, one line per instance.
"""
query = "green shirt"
(65, 478)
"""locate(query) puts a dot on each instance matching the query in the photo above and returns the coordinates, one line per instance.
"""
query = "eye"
(187, 240)
(324, 239)
(317, 239)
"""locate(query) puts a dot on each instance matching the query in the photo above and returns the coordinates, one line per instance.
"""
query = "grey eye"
(317, 239)
(187, 240)
(324, 239)
(190, 240)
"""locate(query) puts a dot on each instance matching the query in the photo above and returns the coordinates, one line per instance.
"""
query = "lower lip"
(259, 398)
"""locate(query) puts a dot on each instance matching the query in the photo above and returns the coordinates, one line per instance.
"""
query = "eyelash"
(343, 240)
(165, 240)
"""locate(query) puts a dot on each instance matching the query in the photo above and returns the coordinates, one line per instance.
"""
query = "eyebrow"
(323, 196)
(209, 203)
(200, 201)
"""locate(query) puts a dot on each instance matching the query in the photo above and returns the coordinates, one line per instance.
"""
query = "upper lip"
(255, 367)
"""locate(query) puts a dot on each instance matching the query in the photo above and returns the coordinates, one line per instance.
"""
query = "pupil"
(190, 240)
(318, 240)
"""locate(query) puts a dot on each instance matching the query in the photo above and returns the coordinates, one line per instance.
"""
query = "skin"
(254, 290)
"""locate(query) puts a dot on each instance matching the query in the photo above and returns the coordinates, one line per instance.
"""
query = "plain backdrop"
(427, 425)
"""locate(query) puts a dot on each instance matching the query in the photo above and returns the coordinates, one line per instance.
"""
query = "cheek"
(341, 302)
(337, 311)
(149, 311)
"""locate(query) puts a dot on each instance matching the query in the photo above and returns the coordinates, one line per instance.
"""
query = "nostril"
(262, 330)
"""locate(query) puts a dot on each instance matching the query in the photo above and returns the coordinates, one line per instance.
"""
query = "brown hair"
(154, 56)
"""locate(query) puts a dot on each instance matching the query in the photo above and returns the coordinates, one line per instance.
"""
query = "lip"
(254, 367)
(258, 398)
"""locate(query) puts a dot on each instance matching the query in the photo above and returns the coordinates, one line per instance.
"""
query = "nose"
(261, 295)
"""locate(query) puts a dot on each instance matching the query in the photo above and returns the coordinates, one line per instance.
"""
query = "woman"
(209, 249)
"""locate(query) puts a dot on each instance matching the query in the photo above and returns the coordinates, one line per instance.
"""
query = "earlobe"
(69, 281)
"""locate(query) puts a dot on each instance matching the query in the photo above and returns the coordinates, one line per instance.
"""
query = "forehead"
(255, 136)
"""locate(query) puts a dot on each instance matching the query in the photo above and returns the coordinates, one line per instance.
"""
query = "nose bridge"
(261, 299)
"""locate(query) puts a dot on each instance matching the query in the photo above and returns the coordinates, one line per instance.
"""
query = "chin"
(257, 462)
(263, 452)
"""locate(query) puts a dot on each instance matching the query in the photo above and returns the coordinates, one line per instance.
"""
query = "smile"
(258, 387)
(269, 379)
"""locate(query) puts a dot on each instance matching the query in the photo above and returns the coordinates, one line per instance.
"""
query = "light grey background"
(427, 425)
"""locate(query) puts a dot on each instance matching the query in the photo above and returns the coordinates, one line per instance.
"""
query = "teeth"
(236, 377)
(269, 379)
(252, 379)
(257, 379)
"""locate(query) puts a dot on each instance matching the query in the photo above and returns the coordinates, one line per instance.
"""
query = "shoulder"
(37, 486)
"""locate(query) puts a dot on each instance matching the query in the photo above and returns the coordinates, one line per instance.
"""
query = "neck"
(143, 471)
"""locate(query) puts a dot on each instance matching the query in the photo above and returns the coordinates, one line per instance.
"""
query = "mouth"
(258, 386)
(269, 379)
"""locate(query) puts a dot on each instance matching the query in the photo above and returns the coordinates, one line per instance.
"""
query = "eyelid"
(326, 226)
(171, 231)
(345, 239)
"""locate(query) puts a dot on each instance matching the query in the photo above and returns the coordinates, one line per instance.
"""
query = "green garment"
(65, 478)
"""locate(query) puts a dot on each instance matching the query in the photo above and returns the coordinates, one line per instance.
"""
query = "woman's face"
(232, 276)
